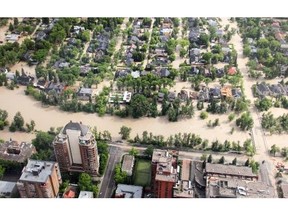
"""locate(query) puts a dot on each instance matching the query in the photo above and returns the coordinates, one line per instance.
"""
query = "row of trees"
(274, 125)
(188, 141)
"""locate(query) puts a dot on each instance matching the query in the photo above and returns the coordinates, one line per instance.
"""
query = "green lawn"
(142, 172)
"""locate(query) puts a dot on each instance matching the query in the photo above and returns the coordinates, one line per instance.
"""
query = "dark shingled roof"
(76, 126)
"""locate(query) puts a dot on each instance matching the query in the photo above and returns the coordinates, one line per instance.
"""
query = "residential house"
(166, 31)
(122, 73)
(220, 32)
(164, 72)
(232, 71)
(172, 96)
(160, 96)
(41, 83)
(12, 38)
(262, 89)
(194, 71)
(203, 95)
(24, 79)
(212, 22)
(194, 55)
(277, 90)
(135, 74)
(71, 191)
(10, 76)
(40, 35)
(57, 87)
(220, 72)
(84, 93)
(226, 92)
(215, 93)
(122, 97)
(236, 92)
(194, 35)
(164, 38)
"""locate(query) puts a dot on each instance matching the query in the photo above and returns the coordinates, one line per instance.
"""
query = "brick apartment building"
(164, 172)
(39, 179)
(76, 150)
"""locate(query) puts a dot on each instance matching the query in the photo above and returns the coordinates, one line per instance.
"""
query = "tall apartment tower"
(76, 150)
(164, 172)
(39, 179)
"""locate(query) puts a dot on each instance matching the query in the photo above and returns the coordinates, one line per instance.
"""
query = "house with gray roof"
(84, 93)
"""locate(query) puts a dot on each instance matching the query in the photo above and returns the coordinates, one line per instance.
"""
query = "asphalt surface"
(108, 183)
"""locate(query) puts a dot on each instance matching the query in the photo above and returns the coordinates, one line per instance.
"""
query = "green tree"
(263, 104)
(125, 132)
(274, 149)
(149, 151)
(231, 117)
(255, 166)
(234, 162)
(245, 122)
(203, 115)
(18, 123)
(222, 160)
(2, 171)
(139, 106)
(133, 152)
(203, 157)
(210, 159)
(120, 177)
(85, 184)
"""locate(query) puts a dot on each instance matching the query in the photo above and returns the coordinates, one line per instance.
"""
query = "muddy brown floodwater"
(46, 117)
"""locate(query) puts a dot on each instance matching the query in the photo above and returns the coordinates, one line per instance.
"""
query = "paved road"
(108, 183)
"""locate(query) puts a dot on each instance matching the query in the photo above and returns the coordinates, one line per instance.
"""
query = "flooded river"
(46, 117)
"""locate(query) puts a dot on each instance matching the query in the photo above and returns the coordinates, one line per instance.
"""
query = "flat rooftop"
(7, 188)
(183, 189)
(86, 194)
(129, 191)
(232, 170)
(185, 171)
(14, 151)
(284, 188)
(238, 188)
(37, 171)
(128, 163)
(160, 155)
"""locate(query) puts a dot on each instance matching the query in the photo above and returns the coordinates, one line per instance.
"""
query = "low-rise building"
(14, 151)
(183, 188)
(7, 189)
(122, 97)
(128, 191)
(86, 194)
(84, 93)
(128, 164)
